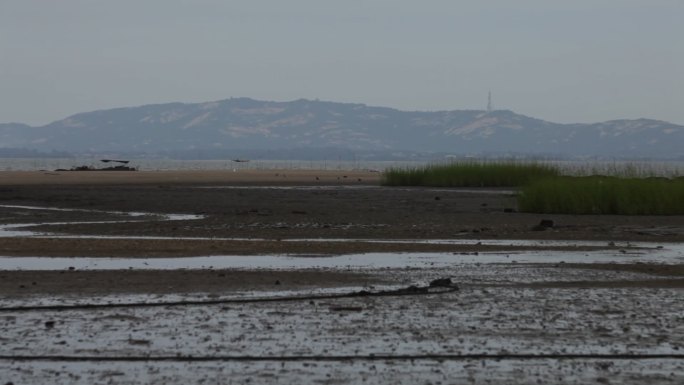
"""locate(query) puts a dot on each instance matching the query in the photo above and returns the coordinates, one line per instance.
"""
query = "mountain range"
(243, 125)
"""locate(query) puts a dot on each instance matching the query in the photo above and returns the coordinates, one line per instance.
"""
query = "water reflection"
(348, 261)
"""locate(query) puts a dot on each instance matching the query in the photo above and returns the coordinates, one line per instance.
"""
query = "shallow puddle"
(496, 321)
(19, 230)
(369, 187)
(168, 217)
(637, 252)
(370, 261)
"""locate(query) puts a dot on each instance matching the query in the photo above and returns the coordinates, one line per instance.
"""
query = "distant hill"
(243, 123)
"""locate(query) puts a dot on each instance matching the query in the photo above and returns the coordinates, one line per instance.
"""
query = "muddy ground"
(245, 208)
(573, 321)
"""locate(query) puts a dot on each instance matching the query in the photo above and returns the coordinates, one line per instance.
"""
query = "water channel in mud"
(638, 252)
(497, 316)
(350, 261)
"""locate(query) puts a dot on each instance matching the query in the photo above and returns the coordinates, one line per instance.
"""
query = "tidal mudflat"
(106, 283)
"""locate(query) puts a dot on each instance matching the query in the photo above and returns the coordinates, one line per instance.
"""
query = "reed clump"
(603, 195)
(469, 174)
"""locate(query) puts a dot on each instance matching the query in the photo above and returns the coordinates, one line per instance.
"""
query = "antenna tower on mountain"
(489, 102)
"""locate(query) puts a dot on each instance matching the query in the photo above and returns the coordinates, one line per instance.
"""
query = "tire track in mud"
(443, 288)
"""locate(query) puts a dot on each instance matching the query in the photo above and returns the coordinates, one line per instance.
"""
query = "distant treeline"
(306, 154)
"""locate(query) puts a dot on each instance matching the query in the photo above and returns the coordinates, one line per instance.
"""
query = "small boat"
(241, 160)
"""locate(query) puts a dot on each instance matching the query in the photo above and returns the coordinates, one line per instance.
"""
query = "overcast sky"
(559, 60)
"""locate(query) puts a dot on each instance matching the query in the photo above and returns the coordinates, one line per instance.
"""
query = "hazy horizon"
(565, 62)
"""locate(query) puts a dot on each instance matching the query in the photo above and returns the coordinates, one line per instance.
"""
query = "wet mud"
(592, 300)
(334, 212)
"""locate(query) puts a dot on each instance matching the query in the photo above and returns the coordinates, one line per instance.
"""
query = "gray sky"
(559, 60)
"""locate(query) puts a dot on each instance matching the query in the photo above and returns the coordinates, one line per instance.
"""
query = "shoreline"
(211, 177)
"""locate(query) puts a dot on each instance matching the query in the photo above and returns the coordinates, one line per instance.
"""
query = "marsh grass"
(469, 174)
(620, 188)
(604, 195)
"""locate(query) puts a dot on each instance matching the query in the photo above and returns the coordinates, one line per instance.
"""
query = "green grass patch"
(469, 174)
(604, 195)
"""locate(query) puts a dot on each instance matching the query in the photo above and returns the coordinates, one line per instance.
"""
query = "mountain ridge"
(242, 123)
